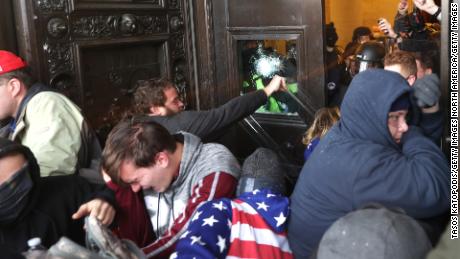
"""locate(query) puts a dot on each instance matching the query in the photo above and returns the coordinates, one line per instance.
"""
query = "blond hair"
(324, 119)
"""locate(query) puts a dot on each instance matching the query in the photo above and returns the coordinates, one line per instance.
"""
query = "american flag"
(251, 226)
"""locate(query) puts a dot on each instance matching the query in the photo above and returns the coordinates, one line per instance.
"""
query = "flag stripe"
(251, 249)
(265, 236)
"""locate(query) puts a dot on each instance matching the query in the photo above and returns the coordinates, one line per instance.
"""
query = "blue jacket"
(310, 147)
(358, 162)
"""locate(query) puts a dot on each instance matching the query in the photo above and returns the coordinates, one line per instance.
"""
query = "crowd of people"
(375, 183)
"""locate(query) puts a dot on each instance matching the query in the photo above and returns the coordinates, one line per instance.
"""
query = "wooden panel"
(269, 19)
(293, 33)
(94, 51)
(223, 26)
(109, 88)
(268, 13)
(120, 4)
(7, 33)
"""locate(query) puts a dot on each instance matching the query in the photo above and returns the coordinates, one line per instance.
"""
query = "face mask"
(14, 194)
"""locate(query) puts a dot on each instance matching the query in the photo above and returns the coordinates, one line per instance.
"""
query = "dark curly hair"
(150, 93)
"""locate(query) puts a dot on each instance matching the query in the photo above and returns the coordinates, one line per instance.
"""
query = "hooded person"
(370, 155)
(31, 206)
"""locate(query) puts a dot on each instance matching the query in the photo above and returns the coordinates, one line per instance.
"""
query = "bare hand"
(426, 5)
(97, 208)
(277, 83)
(386, 28)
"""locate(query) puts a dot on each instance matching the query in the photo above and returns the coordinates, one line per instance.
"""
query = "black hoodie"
(52, 201)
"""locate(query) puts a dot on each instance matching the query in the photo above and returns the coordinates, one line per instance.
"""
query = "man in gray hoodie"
(160, 180)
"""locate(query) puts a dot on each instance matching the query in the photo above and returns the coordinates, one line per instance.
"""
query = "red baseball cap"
(10, 62)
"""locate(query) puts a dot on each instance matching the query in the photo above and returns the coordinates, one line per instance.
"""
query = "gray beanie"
(262, 170)
(376, 233)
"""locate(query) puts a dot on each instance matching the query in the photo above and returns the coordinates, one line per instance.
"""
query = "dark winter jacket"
(52, 202)
(358, 162)
(206, 124)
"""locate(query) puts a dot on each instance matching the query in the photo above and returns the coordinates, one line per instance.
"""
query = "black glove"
(426, 91)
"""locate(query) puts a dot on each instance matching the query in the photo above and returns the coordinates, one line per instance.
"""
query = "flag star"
(209, 221)
(270, 195)
(185, 234)
(196, 239)
(262, 205)
(221, 243)
(280, 219)
(197, 215)
(173, 255)
(220, 206)
(229, 223)
(255, 191)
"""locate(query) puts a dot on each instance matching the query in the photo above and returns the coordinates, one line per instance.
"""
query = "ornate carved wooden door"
(238, 38)
(94, 51)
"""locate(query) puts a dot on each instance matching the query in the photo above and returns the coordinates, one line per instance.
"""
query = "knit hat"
(10, 62)
(361, 31)
(402, 103)
(8, 147)
(262, 170)
(376, 233)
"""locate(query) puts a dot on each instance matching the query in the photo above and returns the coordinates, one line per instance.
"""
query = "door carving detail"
(94, 51)
(51, 5)
(114, 26)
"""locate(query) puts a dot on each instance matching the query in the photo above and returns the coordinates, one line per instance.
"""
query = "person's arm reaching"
(205, 123)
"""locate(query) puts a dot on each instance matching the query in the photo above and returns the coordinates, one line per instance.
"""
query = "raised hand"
(277, 83)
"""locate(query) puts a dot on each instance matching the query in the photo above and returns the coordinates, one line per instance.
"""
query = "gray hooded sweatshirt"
(198, 161)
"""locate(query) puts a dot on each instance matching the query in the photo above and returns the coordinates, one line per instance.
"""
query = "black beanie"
(402, 103)
(8, 147)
